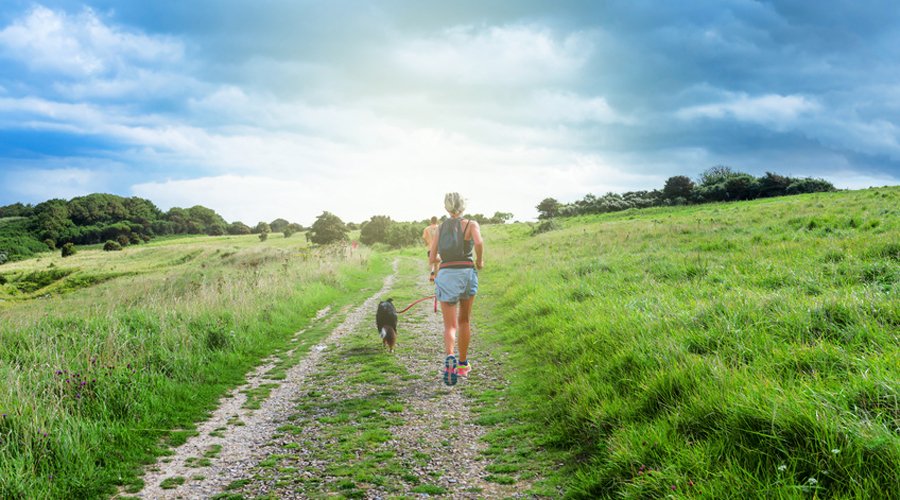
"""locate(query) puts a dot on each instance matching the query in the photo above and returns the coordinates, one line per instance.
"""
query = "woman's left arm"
(478, 244)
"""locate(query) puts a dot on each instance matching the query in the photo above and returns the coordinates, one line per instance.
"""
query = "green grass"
(109, 358)
(743, 350)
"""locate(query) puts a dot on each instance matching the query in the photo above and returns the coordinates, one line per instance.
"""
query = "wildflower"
(690, 483)
(812, 480)
(673, 487)
(782, 467)
(835, 451)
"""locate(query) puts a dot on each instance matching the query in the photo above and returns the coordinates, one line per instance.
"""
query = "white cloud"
(81, 45)
(772, 110)
(510, 55)
(64, 182)
(556, 106)
(849, 179)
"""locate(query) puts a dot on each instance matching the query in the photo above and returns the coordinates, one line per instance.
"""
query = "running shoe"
(463, 370)
(450, 370)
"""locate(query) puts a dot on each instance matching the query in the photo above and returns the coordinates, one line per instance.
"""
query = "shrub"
(50, 244)
(3, 257)
(375, 230)
(123, 240)
(68, 249)
(263, 236)
(404, 234)
(112, 246)
(328, 228)
(545, 226)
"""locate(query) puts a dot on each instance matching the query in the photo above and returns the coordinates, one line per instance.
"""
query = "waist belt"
(463, 263)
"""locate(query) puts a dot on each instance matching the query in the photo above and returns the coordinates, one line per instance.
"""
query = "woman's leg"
(448, 312)
(465, 332)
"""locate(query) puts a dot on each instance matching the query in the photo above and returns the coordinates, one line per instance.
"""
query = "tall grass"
(97, 380)
(742, 350)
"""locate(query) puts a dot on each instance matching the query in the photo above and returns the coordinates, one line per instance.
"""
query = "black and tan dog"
(386, 322)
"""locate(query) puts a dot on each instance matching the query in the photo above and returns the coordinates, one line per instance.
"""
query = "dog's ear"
(391, 300)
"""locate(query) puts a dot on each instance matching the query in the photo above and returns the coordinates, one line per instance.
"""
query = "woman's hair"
(454, 203)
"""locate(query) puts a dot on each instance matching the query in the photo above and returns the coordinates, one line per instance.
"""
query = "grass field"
(745, 350)
(109, 358)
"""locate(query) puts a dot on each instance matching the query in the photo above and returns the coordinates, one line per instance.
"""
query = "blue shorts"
(451, 285)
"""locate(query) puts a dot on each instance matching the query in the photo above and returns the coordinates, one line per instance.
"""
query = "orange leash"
(420, 300)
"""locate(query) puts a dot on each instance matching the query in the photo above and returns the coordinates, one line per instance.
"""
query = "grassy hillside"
(744, 350)
(108, 358)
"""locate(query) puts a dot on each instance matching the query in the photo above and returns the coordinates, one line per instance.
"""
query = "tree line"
(717, 184)
(98, 218)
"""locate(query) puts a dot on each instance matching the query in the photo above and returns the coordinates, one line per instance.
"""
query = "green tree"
(278, 225)
(206, 216)
(239, 228)
(328, 228)
(262, 227)
(501, 217)
(773, 184)
(547, 209)
(404, 234)
(678, 187)
(375, 230)
(716, 175)
(216, 229)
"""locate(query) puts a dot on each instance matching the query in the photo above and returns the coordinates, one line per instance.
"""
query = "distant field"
(745, 350)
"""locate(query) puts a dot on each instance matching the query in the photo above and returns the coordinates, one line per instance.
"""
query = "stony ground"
(350, 420)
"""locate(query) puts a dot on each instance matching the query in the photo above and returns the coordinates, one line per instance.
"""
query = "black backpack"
(452, 241)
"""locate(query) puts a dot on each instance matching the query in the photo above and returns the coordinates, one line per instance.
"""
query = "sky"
(289, 108)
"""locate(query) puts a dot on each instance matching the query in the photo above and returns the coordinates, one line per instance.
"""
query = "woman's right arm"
(433, 257)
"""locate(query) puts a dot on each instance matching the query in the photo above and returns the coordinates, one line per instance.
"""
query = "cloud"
(64, 182)
(81, 45)
(507, 55)
(776, 111)
(560, 106)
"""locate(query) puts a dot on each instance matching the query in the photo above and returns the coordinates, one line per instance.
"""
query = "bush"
(404, 234)
(112, 246)
(328, 228)
(68, 249)
(50, 244)
(545, 226)
(123, 240)
(263, 236)
(804, 186)
(375, 230)
(3, 257)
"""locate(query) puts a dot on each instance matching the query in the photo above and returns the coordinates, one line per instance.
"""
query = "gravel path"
(336, 428)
